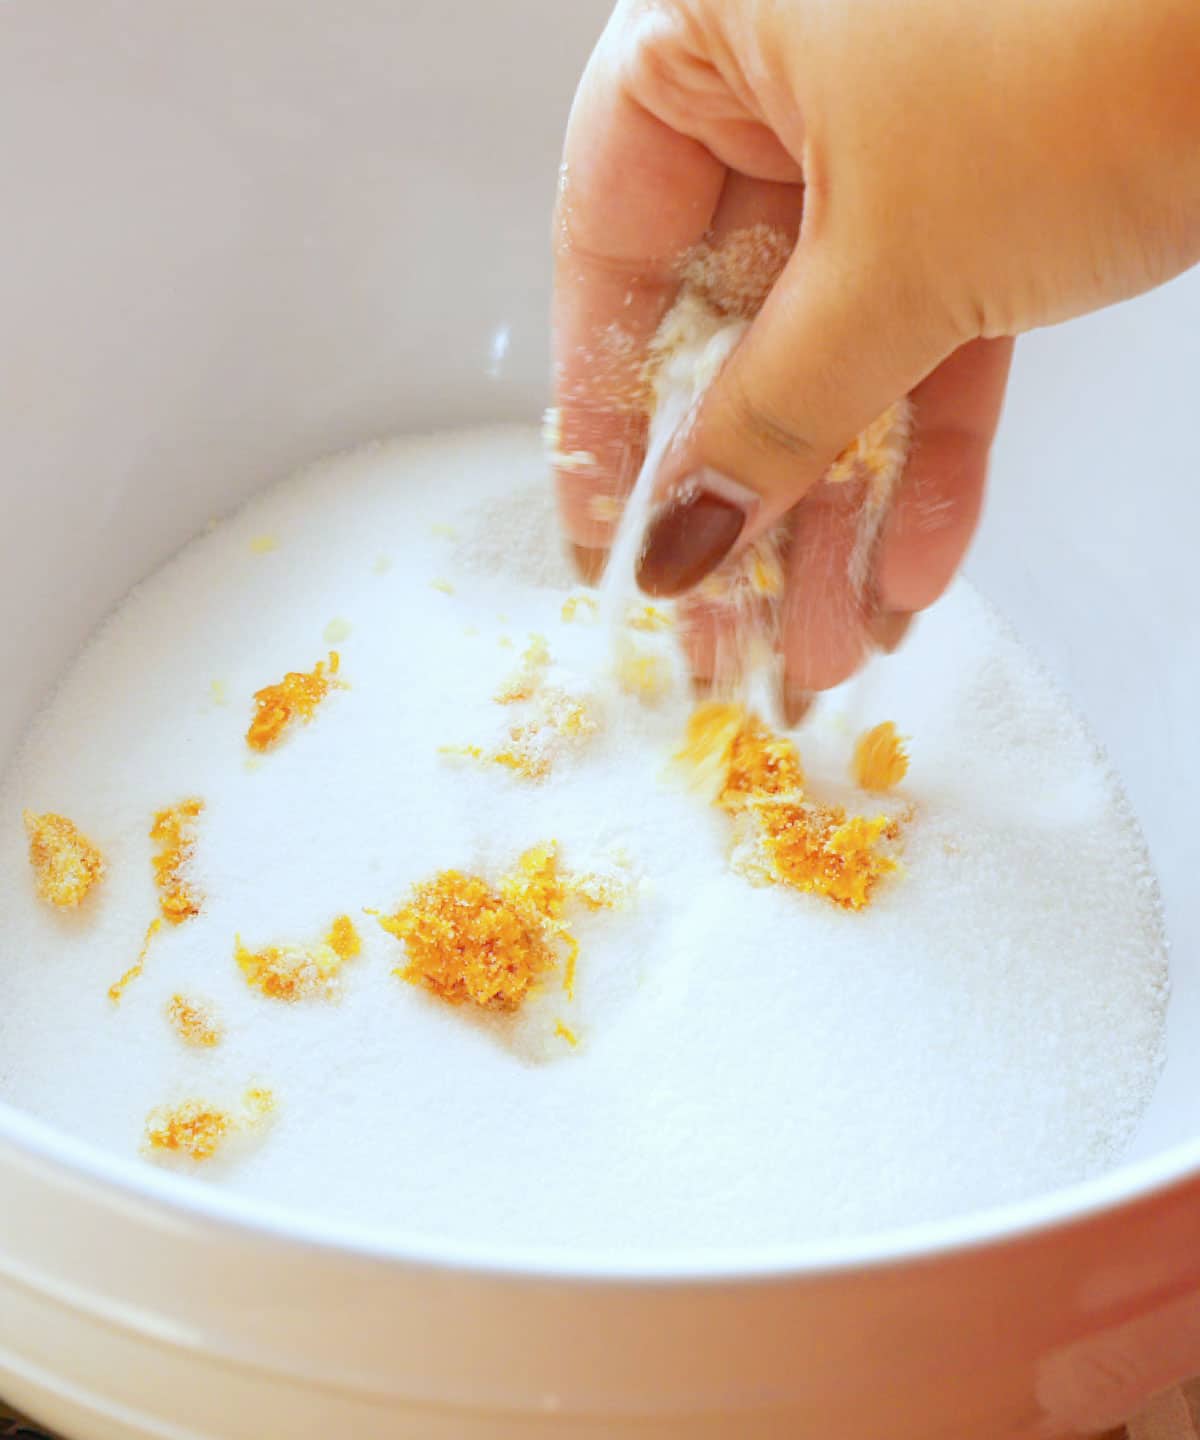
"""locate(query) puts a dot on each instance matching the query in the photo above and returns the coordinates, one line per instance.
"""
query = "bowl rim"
(233, 1217)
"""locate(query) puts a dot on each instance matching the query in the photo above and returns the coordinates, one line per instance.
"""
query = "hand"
(955, 174)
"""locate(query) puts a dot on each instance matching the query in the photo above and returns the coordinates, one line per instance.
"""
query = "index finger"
(634, 196)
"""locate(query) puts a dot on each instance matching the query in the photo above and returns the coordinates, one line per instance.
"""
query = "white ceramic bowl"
(241, 233)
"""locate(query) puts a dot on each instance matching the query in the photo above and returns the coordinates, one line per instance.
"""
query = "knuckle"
(658, 38)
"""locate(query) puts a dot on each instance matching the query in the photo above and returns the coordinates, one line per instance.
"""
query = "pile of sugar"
(753, 1065)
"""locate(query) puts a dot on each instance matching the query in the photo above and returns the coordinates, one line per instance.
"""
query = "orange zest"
(760, 764)
(781, 836)
(816, 849)
(639, 671)
(880, 759)
(576, 606)
(193, 1128)
(66, 865)
(196, 1129)
(174, 832)
(526, 681)
(554, 722)
(343, 939)
(194, 1022)
(294, 698)
(471, 941)
(649, 618)
(118, 988)
(300, 972)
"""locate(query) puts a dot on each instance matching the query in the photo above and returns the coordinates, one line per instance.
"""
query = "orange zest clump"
(764, 571)
(754, 574)
(193, 1128)
(343, 939)
(469, 941)
(527, 680)
(816, 849)
(880, 759)
(65, 863)
(780, 836)
(296, 697)
(761, 764)
(708, 746)
(194, 1022)
(649, 618)
(118, 987)
(639, 671)
(300, 972)
(555, 720)
(575, 605)
(879, 451)
(196, 1129)
(174, 832)
(738, 757)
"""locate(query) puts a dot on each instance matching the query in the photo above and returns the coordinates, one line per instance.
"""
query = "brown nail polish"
(589, 563)
(796, 704)
(687, 540)
(889, 628)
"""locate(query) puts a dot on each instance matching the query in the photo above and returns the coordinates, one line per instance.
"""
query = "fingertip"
(889, 629)
(702, 687)
(689, 537)
(701, 641)
(588, 563)
(817, 673)
(796, 701)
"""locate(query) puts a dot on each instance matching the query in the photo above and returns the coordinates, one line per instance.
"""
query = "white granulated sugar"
(516, 533)
(753, 1065)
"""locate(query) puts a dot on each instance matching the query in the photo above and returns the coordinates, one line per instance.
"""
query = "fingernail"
(888, 629)
(589, 563)
(796, 704)
(692, 534)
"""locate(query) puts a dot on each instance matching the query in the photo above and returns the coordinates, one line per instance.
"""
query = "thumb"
(835, 344)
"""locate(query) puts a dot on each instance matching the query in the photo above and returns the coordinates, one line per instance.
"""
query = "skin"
(954, 174)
